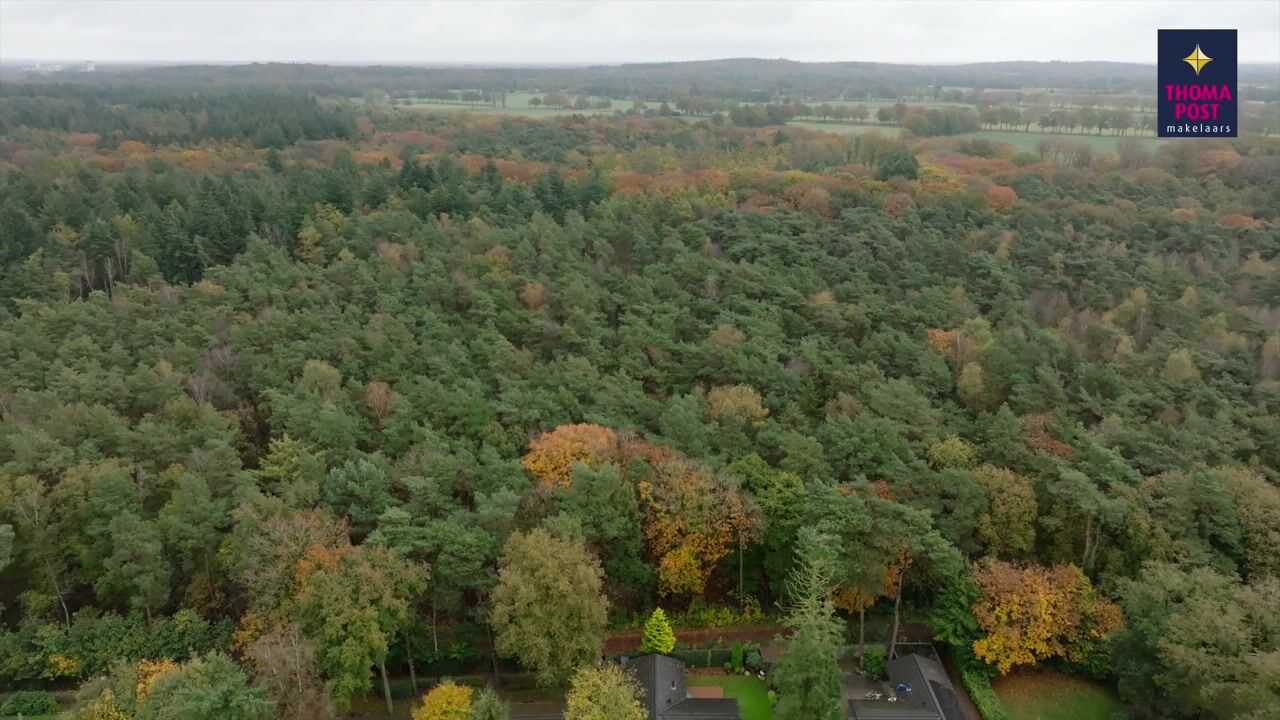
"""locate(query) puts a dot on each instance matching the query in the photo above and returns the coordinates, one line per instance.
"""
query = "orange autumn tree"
(693, 519)
(1001, 198)
(1034, 613)
(551, 457)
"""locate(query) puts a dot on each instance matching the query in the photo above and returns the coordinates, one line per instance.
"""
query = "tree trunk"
(413, 674)
(386, 686)
(862, 638)
(435, 639)
(493, 660)
(1088, 539)
(740, 596)
(897, 605)
(57, 589)
(295, 637)
(1094, 540)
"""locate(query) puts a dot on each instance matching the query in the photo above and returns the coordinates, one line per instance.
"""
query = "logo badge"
(1197, 88)
(1197, 60)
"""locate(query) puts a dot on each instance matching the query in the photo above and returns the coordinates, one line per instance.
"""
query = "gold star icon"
(1197, 60)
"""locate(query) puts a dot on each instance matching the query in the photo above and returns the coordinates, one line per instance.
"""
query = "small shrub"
(753, 661)
(716, 617)
(728, 667)
(874, 661)
(737, 659)
(29, 702)
(751, 612)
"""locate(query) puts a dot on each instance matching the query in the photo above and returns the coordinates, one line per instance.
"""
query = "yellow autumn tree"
(1035, 613)
(551, 457)
(693, 519)
(738, 404)
(446, 701)
(149, 671)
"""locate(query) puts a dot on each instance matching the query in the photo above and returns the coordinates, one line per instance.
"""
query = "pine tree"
(658, 637)
(486, 705)
(808, 677)
(1003, 444)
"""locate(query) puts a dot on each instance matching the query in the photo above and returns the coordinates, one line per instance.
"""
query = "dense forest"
(300, 397)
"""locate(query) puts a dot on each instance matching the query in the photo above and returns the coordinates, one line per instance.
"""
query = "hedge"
(29, 702)
(977, 681)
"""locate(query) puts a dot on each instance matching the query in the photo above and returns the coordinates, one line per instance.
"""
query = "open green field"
(874, 104)
(753, 698)
(1054, 696)
(517, 104)
(1029, 140)
(846, 128)
(1021, 140)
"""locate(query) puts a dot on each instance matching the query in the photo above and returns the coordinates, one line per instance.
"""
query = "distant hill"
(745, 79)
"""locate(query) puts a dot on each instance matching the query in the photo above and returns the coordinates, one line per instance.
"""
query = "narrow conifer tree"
(807, 676)
(658, 637)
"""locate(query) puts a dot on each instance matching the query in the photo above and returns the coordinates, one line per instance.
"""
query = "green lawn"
(1029, 140)
(1021, 140)
(517, 104)
(844, 128)
(753, 698)
(1054, 696)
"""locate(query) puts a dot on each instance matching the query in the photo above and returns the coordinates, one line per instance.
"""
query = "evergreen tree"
(808, 678)
(136, 570)
(486, 705)
(658, 637)
(899, 163)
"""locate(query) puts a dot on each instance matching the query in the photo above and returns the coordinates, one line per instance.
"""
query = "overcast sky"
(609, 32)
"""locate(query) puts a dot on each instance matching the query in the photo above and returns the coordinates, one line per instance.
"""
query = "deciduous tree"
(604, 692)
(353, 601)
(1008, 528)
(548, 608)
(211, 687)
(446, 701)
(1029, 614)
(552, 456)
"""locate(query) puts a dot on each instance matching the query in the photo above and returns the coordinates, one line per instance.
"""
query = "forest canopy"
(282, 371)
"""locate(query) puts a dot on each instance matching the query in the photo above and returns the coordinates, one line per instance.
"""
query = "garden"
(1056, 696)
(750, 692)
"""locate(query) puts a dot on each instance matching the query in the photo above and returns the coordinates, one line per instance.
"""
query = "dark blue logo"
(1197, 84)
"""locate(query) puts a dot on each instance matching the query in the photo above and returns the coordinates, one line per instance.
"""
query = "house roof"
(928, 693)
(662, 678)
(881, 710)
(930, 688)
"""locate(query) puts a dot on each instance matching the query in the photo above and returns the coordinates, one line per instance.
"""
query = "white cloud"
(558, 32)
